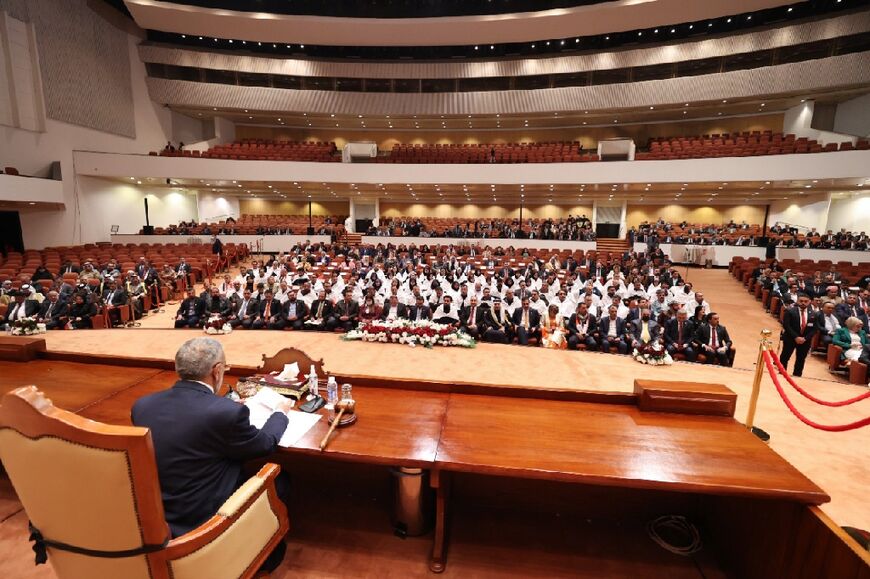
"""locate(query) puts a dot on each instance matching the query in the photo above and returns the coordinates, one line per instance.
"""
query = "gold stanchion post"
(763, 345)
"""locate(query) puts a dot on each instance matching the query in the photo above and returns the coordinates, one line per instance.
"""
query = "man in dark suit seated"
(646, 330)
(611, 329)
(295, 311)
(471, 318)
(849, 309)
(582, 329)
(712, 340)
(191, 311)
(244, 311)
(114, 299)
(419, 311)
(527, 322)
(678, 336)
(270, 314)
(201, 440)
(497, 323)
(345, 314)
(217, 304)
(53, 312)
(827, 324)
(393, 310)
(320, 312)
(798, 324)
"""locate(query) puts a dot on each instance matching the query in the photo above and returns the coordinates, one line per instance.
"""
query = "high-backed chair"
(91, 491)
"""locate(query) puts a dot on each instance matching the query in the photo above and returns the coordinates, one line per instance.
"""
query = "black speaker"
(147, 230)
(309, 231)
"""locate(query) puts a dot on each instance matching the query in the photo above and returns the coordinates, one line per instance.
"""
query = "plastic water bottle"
(331, 396)
(312, 384)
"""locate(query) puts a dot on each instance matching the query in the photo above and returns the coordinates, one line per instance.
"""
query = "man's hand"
(285, 406)
(800, 340)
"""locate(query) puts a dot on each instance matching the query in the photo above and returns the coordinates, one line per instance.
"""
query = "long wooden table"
(609, 447)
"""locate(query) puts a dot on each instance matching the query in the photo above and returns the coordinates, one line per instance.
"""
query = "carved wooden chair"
(93, 498)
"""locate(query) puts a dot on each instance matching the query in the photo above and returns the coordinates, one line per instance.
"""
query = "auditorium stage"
(836, 461)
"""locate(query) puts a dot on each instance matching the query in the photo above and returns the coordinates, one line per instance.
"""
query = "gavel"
(343, 406)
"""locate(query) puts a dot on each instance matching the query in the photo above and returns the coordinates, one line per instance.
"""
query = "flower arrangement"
(27, 327)
(424, 333)
(653, 353)
(216, 325)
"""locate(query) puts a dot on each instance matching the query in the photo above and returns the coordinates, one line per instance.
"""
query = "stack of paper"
(265, 402)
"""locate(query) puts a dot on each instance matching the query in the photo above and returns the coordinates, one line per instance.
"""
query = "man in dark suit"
(295, 311)
(53, 312)
(712, 340)
(191, 311)
(393, 310)
(611, 329)
(270, 314)
(21, 308)
(345, 314)
(850, 308)
(527, 322)
(799, 326)
(498, 327)
(319, 313)
(582, 328)
(69, 267)
(201, 440)
(243, 311)
(114, 298)
(646, 330)
(215, 303)
(182, 271)
(471, 318)
(678, 336)
(419, 311)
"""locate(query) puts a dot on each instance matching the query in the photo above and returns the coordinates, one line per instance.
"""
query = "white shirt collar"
(204, 384)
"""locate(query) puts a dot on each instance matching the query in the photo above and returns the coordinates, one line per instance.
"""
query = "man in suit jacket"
(850, 308)
(393, 310)
(53, 312)
(712, 340)
(183, 271)
(582, 329)
(21, 308)
(191, 312)
(497, 326)
(215, 303)
(646, 330)
(319, 313)
(799, 326)
(295, 311)
(471, 318)
(114, 298)
(270, 313)
(527, 323)
(345, 314)
(243, 311)
(201, 440)
(419, 311)
(678, 336)
(610, 330)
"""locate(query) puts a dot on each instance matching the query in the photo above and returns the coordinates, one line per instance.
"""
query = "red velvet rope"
(806, 394)
(768, 355)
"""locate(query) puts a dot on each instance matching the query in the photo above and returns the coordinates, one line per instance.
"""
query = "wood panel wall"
(469, 211)
(589, 136)
(282, 207)
(717, 214)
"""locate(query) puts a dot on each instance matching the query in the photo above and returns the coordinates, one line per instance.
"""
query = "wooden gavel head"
(348, 406)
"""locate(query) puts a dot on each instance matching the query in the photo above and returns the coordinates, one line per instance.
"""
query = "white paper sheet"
(262, 405)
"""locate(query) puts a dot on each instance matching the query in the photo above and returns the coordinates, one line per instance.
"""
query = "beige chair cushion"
(71, 566)
(229, 555)
(73, 494)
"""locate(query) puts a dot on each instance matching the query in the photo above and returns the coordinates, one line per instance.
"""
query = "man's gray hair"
(195, 358)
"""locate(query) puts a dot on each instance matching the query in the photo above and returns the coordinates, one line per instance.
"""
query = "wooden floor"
(837, 462)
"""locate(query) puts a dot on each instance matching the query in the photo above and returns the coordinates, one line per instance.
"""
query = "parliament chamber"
(398, 289)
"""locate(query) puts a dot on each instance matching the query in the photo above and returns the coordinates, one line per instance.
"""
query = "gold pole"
(763, 344)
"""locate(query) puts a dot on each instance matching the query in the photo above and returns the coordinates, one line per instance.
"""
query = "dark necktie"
(679, 333)
(713, 337)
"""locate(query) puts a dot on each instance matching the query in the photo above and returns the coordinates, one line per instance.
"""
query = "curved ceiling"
(617, 16)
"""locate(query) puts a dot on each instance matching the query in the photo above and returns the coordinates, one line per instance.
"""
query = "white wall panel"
(851, 213)
(213, 207)
(810, 211)
(825, 73)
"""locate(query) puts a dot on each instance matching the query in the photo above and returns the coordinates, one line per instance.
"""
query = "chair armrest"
(235, 541)
(858, 373)
(834, 353)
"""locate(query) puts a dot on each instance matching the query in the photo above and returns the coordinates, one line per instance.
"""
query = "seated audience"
(852, 339)
(712, 340)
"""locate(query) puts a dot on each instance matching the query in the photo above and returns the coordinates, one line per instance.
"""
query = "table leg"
(439, 481)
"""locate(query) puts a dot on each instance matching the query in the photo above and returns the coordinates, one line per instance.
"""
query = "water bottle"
(331, 396)
(312, 384)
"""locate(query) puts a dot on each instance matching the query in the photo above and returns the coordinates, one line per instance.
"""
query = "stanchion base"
(760, 433)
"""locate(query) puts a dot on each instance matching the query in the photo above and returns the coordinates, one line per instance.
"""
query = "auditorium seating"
(544, 152)
(744, 144)
(265, 150)
(250, 225)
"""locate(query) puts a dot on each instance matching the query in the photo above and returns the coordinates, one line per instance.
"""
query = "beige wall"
(588, 136)
(275, 207)
(480, 211)
(716, 214)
